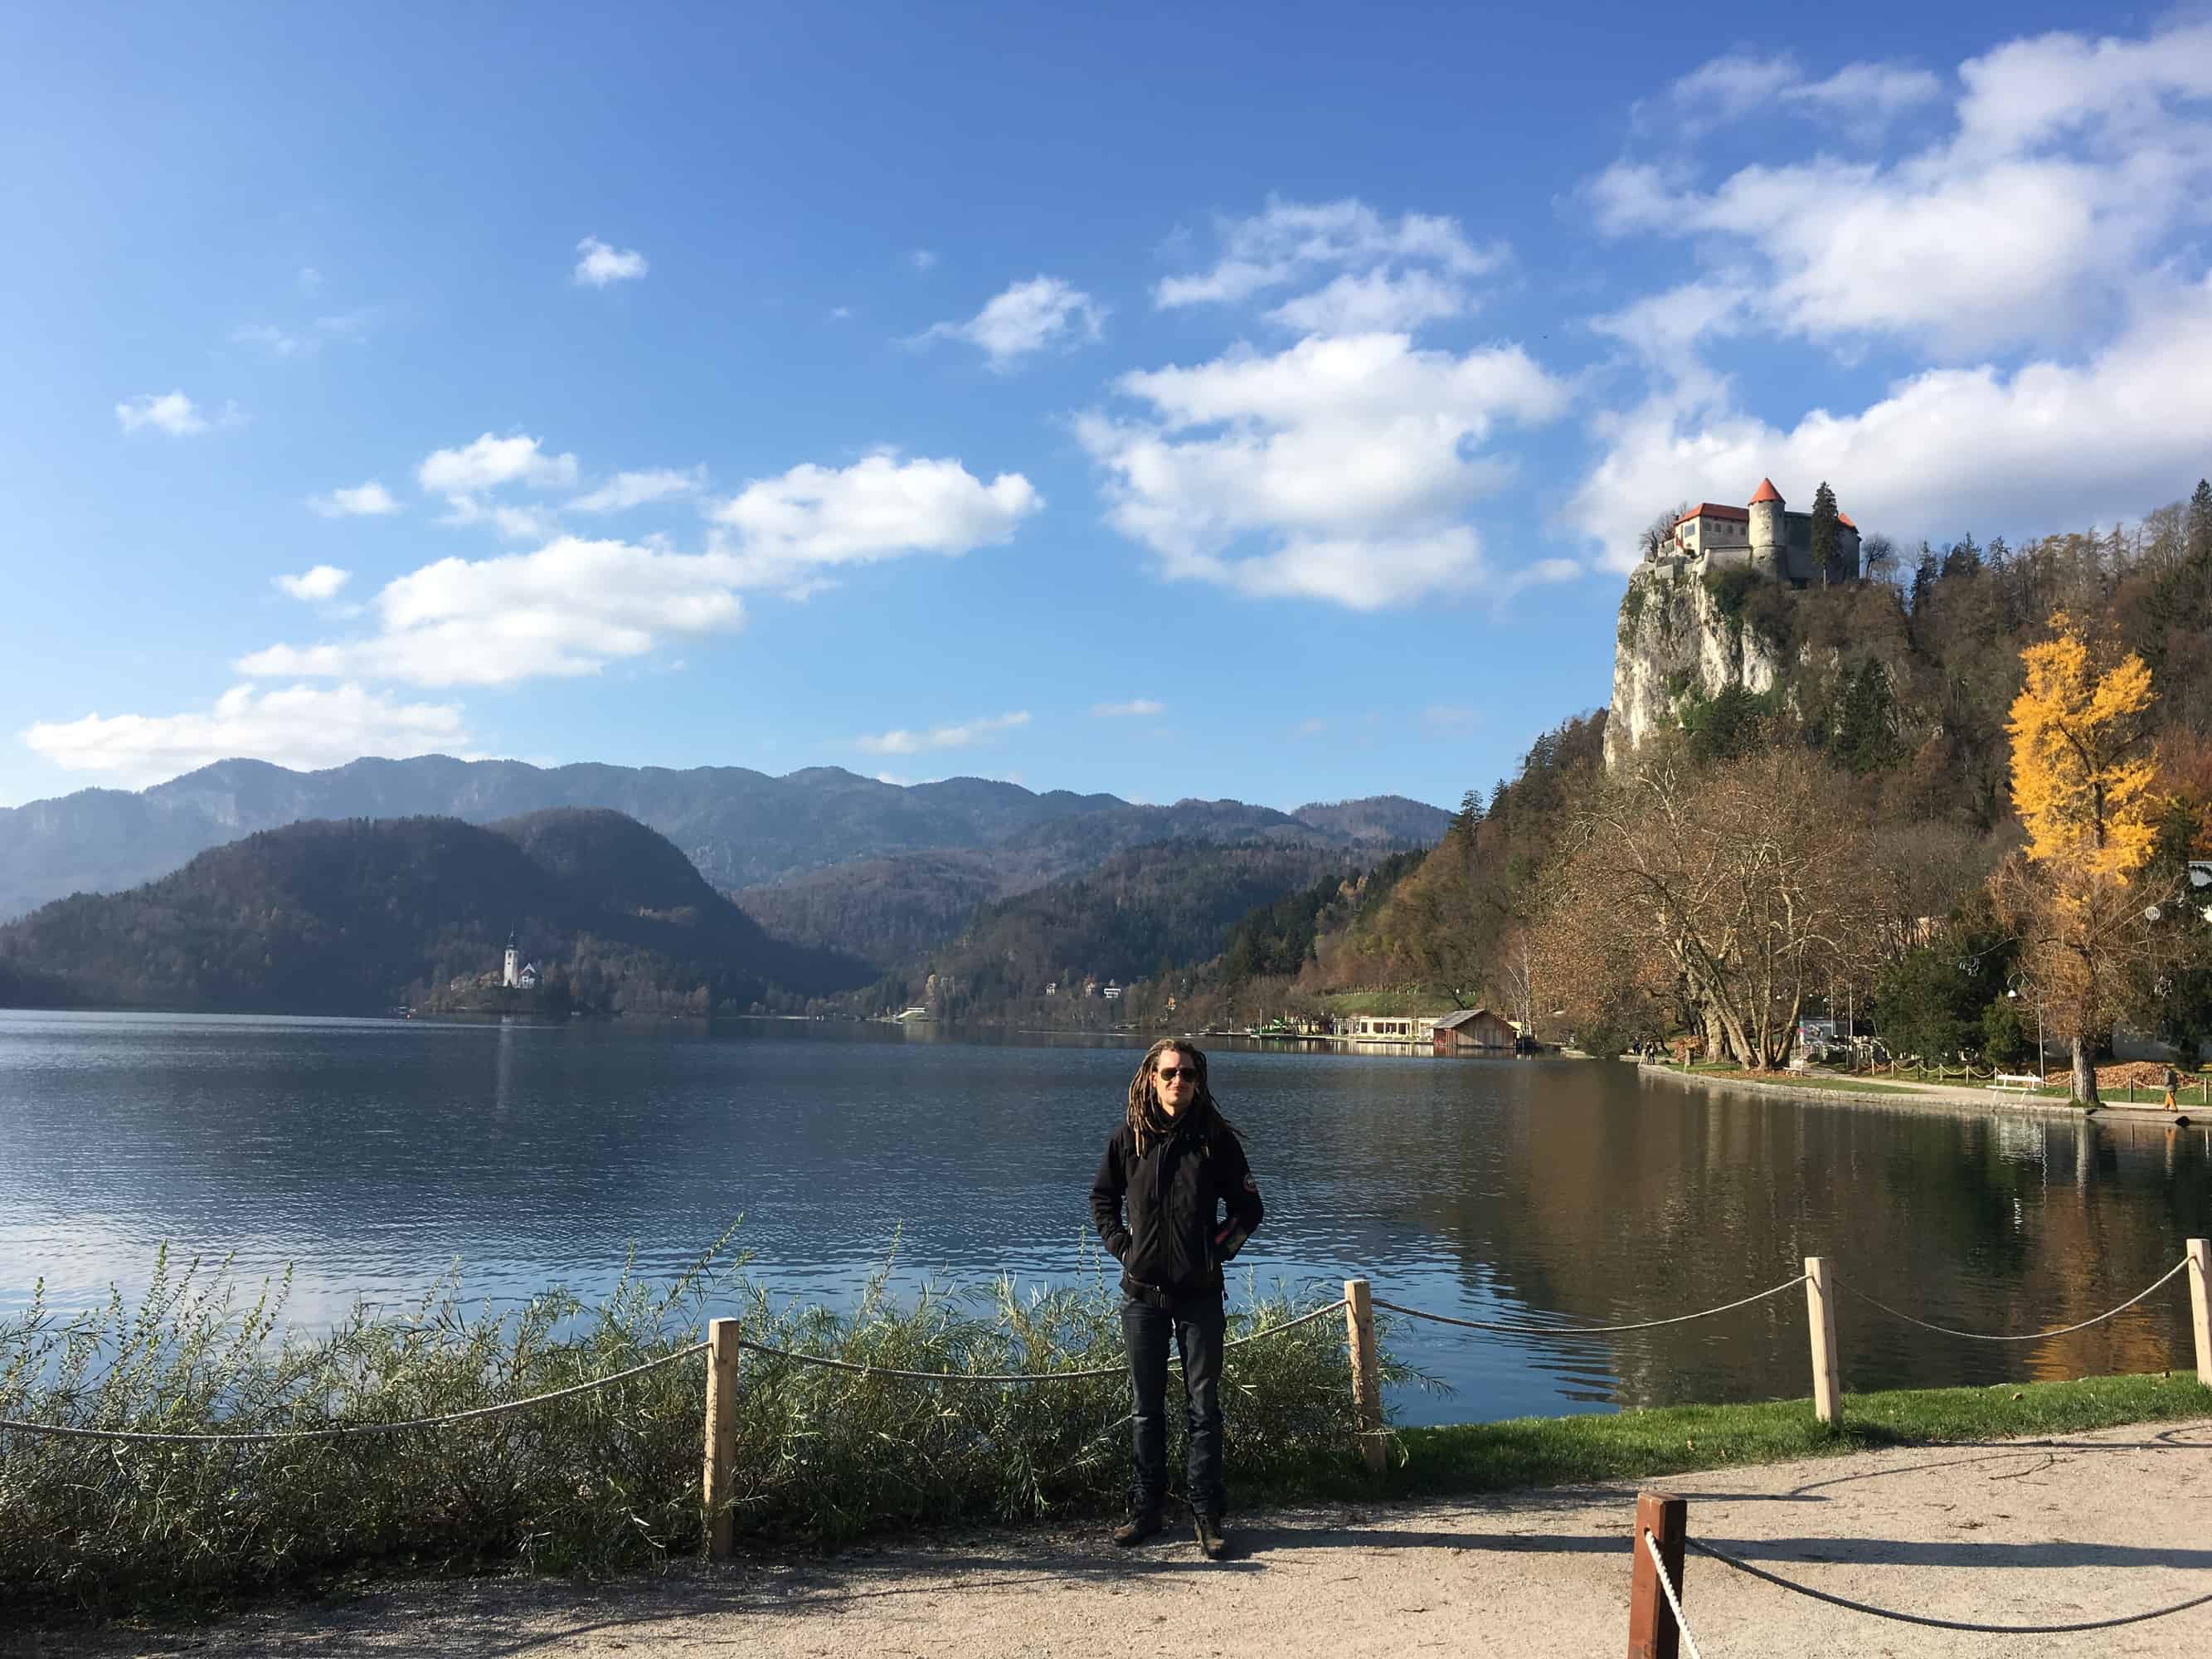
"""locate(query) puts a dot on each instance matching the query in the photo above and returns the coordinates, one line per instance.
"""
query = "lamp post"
(2012, 991)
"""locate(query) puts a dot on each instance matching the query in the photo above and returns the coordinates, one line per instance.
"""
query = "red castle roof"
(1714, 510)
(1767, 492)
(1844, 519)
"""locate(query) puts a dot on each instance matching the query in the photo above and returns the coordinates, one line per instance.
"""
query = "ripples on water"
(374, 1154)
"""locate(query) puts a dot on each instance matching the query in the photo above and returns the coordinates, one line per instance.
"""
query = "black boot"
(1210, 1542)
(1140, 1525)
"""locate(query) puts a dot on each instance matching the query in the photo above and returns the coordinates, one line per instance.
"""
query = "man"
(1177, 1164)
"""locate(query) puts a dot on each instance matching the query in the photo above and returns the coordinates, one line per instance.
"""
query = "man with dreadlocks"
(1178, 1165)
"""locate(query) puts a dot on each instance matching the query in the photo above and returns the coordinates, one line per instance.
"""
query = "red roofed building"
(1765, 535)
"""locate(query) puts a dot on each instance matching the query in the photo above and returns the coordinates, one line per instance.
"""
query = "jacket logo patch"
(1250, 1185)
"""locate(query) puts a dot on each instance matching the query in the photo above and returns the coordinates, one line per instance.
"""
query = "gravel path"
(2035, 1531)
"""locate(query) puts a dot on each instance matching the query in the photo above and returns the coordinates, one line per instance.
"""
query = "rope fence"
(725, 1344)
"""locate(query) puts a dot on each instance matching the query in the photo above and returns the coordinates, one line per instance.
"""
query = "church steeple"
(511, 973)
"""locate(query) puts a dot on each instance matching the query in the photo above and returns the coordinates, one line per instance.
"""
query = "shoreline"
(1920, 1097)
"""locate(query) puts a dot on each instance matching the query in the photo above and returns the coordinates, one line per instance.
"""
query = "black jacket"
(1173, 1239)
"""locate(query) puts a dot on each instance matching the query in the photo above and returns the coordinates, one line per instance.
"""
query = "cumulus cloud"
(323, 582)
(299, 726)
(1375, 301)
(627, 490)
(171, 412)
(1134, 706)
(490, 462)
(2031, 253)
(1339, 469)
(601, 264)
(940, 737)
(1294, 241)
(2070, 159)
(1943, 451)
(785, 530)
(362, 501)
(571, 608)
(1027, 318)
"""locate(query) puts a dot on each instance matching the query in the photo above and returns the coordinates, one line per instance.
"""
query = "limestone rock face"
(1676, 639)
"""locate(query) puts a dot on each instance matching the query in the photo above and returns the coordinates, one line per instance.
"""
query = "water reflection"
(374, 1154)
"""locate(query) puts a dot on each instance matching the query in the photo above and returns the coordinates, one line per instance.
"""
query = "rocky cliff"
(1684, 638)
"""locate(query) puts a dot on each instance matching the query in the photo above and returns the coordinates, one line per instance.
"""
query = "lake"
(373, 1154)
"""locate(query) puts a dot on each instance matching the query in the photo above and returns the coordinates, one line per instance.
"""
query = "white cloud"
(1862, 98)
(921, 258)
(323, 582)
(571, 608)
(267, 337)
(1339, 469)
(839, 314)
(299, 726)
(363, 500)
(1378, 301)
(1028, 317)
(171, 412)
(1288, 242)
(627, 490)
(782, 529)
(1867, 97)
(1134, 706)
(283, 343)
(2070, 160)
(490, 462)
(940, 737)
(602, 265)
(1945, 450)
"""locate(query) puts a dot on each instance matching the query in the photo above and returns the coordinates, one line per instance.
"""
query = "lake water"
(373, 1154)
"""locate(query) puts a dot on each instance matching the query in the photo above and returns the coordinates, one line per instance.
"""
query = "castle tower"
(1768, 542)
(511, 975)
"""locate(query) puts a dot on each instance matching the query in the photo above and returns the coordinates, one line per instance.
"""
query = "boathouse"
(1474, 1031)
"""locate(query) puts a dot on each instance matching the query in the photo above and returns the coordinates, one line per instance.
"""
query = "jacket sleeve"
(1241, 1193)
(1106, 1187)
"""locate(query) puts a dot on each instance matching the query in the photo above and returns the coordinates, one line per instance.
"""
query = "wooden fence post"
(2200, 1305)
(721, 1438)
(1366, 1372)
(1820, 1316)
(1652, 1631)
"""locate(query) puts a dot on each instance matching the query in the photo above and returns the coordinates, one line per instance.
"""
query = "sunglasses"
(1169, 1074)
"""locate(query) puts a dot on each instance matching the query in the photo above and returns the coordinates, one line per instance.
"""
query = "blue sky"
(1226, 401)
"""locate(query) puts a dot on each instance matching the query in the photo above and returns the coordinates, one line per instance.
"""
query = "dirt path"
(2039, 1531)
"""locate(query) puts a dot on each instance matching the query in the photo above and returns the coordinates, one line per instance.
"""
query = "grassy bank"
(606, 1481)
(1543, 1451)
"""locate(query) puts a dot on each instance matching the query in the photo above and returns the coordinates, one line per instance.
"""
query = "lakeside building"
(1475, 1031)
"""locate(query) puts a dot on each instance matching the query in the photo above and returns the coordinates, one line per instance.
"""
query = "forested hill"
(1146, 910)
(355, 916)
(740, 828)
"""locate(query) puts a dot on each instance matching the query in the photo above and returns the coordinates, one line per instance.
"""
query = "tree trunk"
(2085, 1071)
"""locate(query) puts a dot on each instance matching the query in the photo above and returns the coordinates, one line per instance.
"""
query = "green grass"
(1409, 1004)
(1545, 1451)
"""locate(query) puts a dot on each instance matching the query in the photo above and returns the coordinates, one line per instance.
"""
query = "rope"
(859, 1370)
(1515, 1328)
(1851, 1606)
(1682, 1624)
(2033, 1336)
(63, 1432)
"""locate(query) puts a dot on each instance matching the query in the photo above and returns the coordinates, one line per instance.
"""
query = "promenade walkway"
(2024, 1532)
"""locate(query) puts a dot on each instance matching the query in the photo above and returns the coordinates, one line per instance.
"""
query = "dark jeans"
(1194, 1324)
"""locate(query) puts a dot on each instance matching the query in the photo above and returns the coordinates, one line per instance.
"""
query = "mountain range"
(740, 828)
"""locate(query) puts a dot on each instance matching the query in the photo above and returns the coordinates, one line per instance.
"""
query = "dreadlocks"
(1145, 1119)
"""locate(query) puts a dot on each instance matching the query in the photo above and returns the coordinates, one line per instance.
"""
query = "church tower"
(511, 975)
(1769, 541)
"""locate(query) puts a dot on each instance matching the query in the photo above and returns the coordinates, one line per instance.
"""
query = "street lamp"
(2041, 1064)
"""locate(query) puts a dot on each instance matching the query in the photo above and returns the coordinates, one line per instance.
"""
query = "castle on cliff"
(1763, 535)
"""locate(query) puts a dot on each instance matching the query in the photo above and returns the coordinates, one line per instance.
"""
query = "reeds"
(600, 1481)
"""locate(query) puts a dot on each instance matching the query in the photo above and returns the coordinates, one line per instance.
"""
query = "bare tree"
(1737, 890)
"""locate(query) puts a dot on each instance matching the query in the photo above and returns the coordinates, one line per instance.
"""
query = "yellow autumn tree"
(2082, 782)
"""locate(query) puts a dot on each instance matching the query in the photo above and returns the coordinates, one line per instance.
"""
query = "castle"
(1763, 535)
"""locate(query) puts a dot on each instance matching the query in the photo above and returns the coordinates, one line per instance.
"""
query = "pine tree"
(2200, 524)
(1923, 580)
(1825, 535)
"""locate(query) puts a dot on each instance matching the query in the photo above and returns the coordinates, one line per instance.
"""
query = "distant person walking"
(2172, 1082)
(1173, 1200)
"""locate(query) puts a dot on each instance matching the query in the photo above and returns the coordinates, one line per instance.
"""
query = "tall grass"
(600, 1481)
